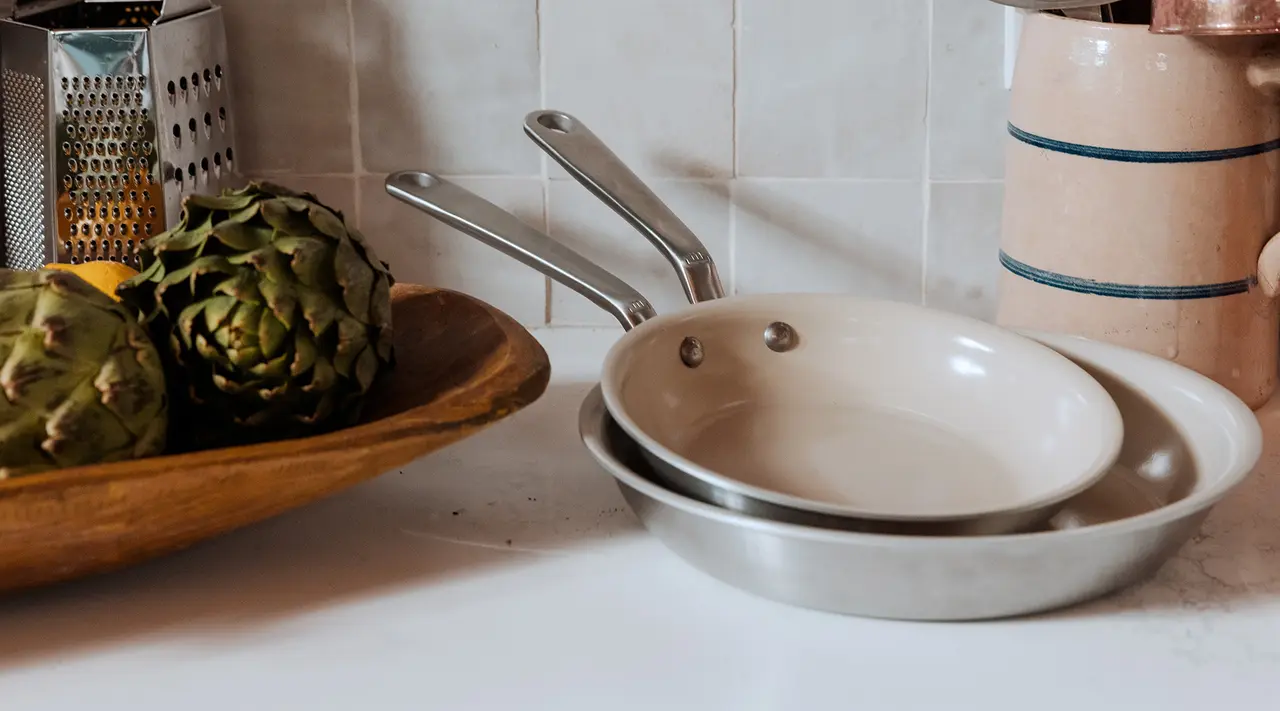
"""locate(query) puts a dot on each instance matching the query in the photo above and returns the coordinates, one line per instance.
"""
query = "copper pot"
(1215, 17)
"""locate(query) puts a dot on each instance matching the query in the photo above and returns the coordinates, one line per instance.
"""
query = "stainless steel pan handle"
(476, 217)
(590, 162)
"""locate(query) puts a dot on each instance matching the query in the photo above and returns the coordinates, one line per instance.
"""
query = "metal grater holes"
(105, 165)
(201, 127)
(26, 126)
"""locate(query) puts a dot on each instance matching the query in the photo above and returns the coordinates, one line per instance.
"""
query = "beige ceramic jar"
(1141, 195)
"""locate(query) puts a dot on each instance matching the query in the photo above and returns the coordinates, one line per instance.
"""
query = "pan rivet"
(691, 352)
(781, 337)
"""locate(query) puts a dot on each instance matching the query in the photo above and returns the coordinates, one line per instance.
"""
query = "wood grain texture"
(461, 366)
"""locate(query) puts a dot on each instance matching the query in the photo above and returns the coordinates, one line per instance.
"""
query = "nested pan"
(1185, 429)
(807, 403)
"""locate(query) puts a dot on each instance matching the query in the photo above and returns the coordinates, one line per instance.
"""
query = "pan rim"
(593, 410)
(1109, 443)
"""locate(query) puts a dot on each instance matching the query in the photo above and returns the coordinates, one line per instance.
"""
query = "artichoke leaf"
(184, 240)
(311, 259)
(366, 369)
(227, 385)
(271, 335)
(244, 358)
(282, 299)
(216, 311)
(128, 391)
(276, 369)
(318, 310)
(243, 286)
(326, 222)
(380, 303)
(297, 203)
(304, 354)
(227, 202)
(241, 237)
(207, 351)
(266, 260)
(323, 376)
(244, 215)
(352, 339)
(355, 276)
(187, 324)
(278, 215)
(241, 333)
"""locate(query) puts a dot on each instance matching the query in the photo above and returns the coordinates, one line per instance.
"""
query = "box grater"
(112, 112)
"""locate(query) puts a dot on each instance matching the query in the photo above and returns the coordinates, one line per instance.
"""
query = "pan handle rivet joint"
(691, 352)
(781, 337)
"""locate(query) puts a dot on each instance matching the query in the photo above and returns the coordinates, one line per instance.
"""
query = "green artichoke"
(272, 314)
(82, 382)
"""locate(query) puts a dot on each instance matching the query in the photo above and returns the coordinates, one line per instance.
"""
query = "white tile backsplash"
(292, 89)
(967, 98)
(964, 248)
(829, 236)
(654, 79)
(832, 88)
(813, 145)
(443, 84)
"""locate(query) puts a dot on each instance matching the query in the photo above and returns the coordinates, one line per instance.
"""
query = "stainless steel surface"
(195, 117)
(944, 578)
(692, 352)
(697, 488)
(490, 224)
(131, 119)
(780, 337)
(1215, 17)
(1047, 4)
(1092, 13)
(29, 188)
(109, 197)
(174, 9)
(596, 167)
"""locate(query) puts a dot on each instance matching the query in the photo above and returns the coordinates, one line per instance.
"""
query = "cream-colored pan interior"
(878, 410)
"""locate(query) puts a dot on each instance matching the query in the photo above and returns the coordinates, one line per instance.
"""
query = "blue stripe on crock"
(1122, 291)
(1128, 156)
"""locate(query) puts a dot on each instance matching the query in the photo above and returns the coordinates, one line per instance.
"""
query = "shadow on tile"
(871, 269)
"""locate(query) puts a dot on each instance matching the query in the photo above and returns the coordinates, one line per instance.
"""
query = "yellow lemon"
(105, 276)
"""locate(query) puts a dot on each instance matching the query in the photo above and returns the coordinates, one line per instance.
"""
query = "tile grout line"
(926, 184)
(732, 287)
(353, 91)
(736, 29)
(542, 79)
(545, 176)
(546, 280)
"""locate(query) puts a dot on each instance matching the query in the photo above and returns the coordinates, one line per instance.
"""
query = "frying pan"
(1185, 428)
(826, 405)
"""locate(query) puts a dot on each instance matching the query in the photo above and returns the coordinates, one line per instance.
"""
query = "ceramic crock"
(1141, 195)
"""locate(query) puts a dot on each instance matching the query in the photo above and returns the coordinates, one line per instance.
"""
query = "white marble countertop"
(506, 573)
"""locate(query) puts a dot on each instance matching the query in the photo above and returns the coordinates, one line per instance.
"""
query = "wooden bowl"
(461, 366)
